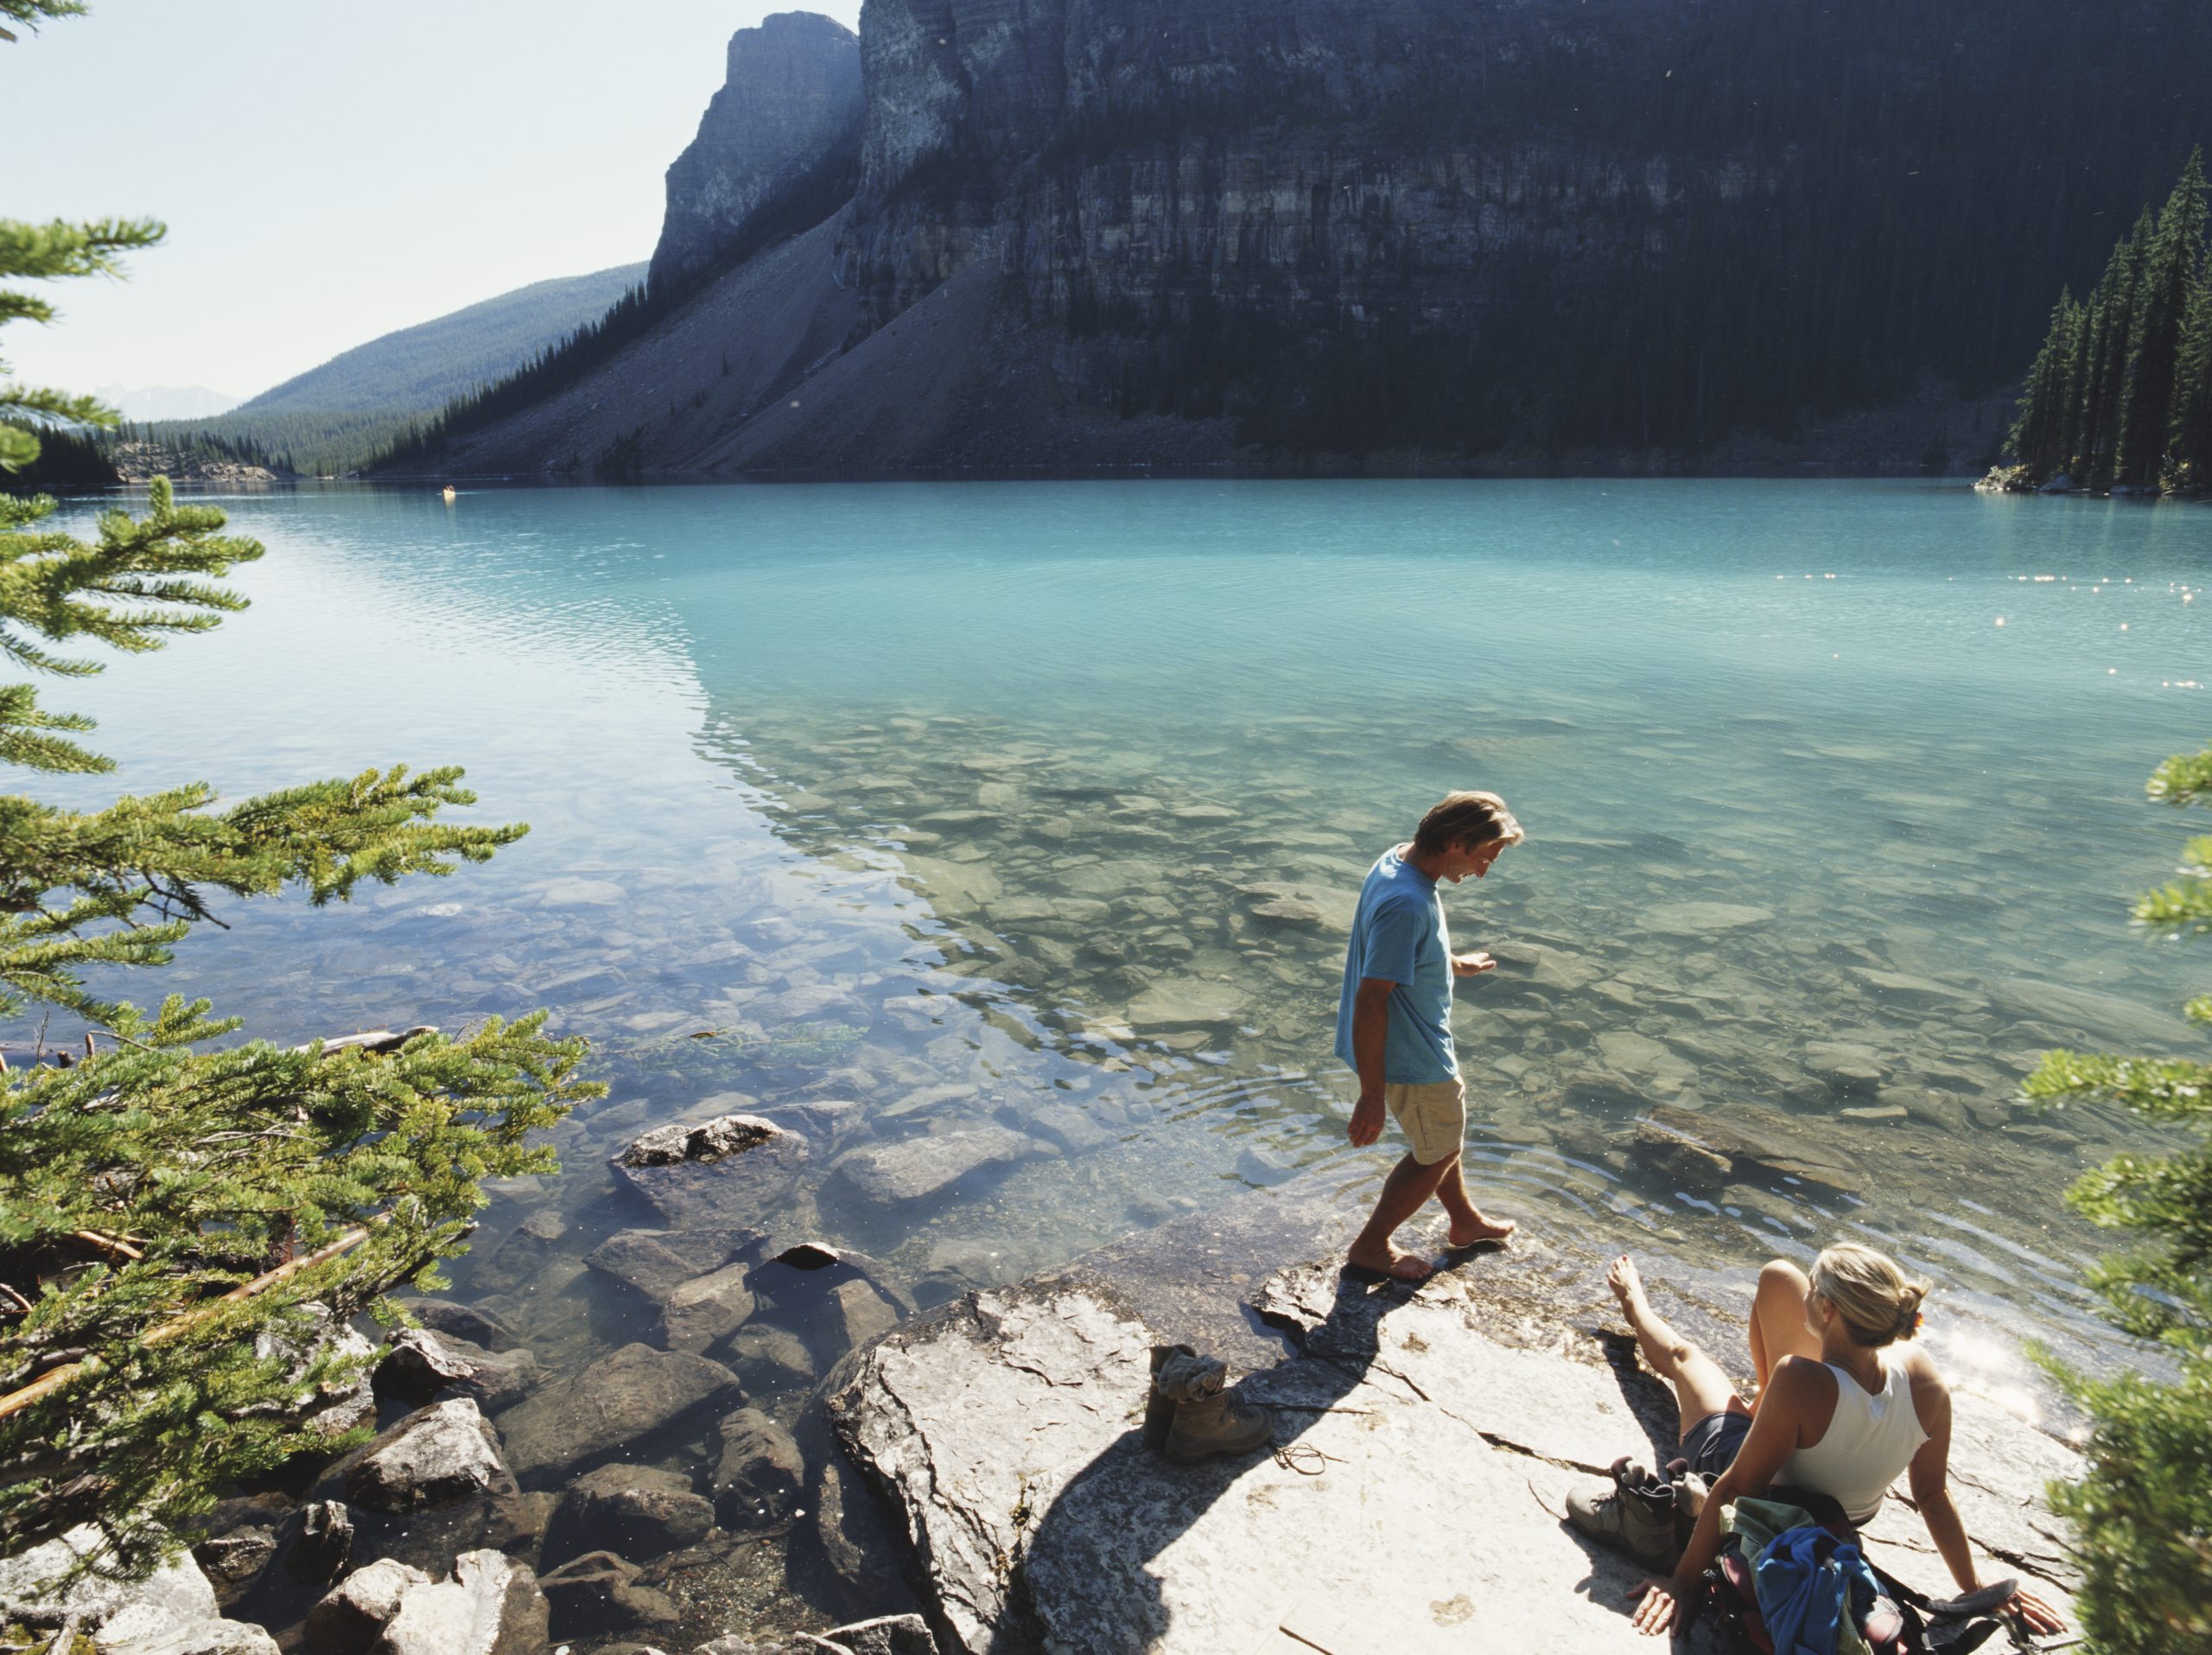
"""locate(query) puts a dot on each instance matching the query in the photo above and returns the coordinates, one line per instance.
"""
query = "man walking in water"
(1393, 1024)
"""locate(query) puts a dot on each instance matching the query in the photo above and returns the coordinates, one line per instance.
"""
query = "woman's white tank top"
(1868, 1443)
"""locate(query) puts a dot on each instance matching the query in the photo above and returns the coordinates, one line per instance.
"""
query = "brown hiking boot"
(1207, 1420)
(1636, 1516)
(1160, 1408)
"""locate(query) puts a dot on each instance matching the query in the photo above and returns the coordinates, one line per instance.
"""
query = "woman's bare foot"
(1399, 1266)
(1627, 1285)
(1481, 1230)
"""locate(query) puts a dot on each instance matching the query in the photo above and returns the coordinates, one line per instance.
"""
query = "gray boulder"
(232, 1561)
(423, 1362)
(638, 1511)
(442, 1453)
(761, 1471)
(317, 1540)
(331, 1406)
(728, 1170)
(623, 1401)
(171, 1612)
(352, 1617)
(492, 1605)
(599, 1592)
(888, 1175)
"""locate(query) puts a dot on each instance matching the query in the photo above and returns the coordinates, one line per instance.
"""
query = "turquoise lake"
(1044, 805)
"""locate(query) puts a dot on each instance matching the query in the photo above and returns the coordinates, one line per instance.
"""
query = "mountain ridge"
(1487, 234)
(430, 363)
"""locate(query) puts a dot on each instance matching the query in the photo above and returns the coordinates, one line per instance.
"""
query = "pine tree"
(2170, 266)
(2144, 1510)
(2189, 444)
(2110, 358)
(2039, 438)
(164, 1204)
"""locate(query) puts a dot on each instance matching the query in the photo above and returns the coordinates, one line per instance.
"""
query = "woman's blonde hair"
(1878, 1303)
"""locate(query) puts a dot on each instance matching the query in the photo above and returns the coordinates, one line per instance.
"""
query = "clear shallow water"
(965, 802)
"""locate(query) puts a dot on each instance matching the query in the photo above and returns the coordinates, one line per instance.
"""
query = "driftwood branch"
(40, 1389)
(376, 1040)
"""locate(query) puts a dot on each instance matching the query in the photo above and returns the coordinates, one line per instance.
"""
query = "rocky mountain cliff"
(1514, 232)
(783, 130)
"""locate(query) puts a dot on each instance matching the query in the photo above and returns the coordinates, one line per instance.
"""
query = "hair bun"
(1909, 1316)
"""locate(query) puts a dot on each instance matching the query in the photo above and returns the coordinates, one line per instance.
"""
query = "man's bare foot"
(1480, 1230)
(1397, 1265)
(1627, 1285)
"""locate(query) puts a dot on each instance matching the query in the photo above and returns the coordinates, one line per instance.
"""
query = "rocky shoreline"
(1425, 1441)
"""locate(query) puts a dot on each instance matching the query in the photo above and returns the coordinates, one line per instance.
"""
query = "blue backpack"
(1791, 1575)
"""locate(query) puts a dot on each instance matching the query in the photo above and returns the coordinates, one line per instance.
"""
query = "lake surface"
(1043, 807)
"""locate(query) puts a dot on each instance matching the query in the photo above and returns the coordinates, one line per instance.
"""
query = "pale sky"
(330, 171)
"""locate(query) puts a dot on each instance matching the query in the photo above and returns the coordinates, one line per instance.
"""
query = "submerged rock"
(653, 1264)
(623, 1401)
(708, 1310)
(728, 1169)
(761, 1471)
(638, 1511)
(913, 1169)
(521, 1254)
(599, 1592)
(1707, 1151)
(887, 1634)
(469, 1321)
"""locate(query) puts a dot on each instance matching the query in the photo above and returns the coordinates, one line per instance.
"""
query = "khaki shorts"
(1433, 1116)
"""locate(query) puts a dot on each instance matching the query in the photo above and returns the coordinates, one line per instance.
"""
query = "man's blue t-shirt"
(1398, 933)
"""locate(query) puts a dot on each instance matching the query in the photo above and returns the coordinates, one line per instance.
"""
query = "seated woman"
(1840, 1411)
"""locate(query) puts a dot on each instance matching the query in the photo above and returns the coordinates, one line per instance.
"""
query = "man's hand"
(1366, 1120)
(1473, 963)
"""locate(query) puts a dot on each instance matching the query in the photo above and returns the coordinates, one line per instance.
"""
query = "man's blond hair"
(1467, 819)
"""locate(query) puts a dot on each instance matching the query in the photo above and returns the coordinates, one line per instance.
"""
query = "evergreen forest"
(2119, 398)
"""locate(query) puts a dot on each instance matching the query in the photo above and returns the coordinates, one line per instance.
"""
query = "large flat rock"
(1430, 1438)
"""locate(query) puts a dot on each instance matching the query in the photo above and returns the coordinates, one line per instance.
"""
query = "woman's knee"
(1780, 1279)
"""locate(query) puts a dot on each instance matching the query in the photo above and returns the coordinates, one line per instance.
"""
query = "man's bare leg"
(1700, 1388)
(1468, 1226)
(1409, 1185)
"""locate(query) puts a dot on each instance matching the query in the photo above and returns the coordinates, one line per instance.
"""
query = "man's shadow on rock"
(1085, 1583)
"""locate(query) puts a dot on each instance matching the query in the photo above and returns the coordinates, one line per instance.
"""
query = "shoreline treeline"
(2119, 398)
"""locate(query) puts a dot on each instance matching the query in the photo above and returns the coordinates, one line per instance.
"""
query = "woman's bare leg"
(1700, 1388)
(1778, 1327)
